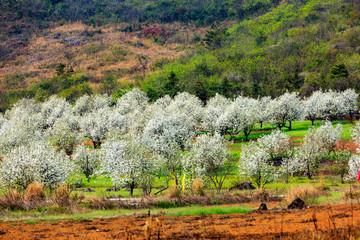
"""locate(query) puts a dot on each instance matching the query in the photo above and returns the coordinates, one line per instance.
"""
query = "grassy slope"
(103, 51)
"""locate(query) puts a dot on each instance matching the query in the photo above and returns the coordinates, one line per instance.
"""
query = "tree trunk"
(132, 186)
(308, 172)
(246, 135)
(289, 126)
(312, 122)
(97, 144)
(261, 125)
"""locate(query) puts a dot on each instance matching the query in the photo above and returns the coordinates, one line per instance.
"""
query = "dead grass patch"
(305, 193)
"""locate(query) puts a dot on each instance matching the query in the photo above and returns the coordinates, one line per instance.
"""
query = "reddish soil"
(344, 145)
(257, 225)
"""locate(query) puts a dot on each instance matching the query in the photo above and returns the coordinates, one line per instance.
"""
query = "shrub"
(96, 202)
(174, 191)
(260, 195)
(197, 187)
(34, 193)
(61, 195)
(12, 199)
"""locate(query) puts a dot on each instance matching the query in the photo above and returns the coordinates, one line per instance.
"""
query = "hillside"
(102, 59)
(296, 46)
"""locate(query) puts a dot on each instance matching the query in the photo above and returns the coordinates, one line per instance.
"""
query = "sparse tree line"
(134, 141)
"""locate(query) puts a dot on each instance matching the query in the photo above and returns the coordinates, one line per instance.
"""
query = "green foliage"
(109, 85)
(339, 70)
(60, 69)
(293, 46)
(74, 92)
(96, 13)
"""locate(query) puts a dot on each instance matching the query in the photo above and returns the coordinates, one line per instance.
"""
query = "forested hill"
(231, 47)
(99, 12)
(298, 45)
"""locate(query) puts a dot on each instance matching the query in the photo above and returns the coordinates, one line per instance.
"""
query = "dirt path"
(256, 225)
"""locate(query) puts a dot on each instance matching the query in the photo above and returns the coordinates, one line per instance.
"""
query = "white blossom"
(277, 145)
(354, 167)
(209, 159)
(86, 104)
(327, 136)
(53, 109)
(86, 160)
(286, 108)
(214, 108)
(129, 162)
(307, 156)
(240, 116)
(38, 162)
(255, 165)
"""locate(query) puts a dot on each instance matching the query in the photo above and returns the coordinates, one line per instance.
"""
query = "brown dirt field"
(272, 224)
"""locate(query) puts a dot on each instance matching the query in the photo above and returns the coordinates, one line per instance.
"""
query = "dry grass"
(197, 187)
(260, 195)
(40, 57)
(61, 196)
(12, 199)
(174, 191)
(306, 193)
(34, 193)
(95, 202)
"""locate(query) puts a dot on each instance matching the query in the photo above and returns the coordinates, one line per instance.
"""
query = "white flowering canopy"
(132, 106)
(214, 108)
(187, 104)
(286, 108)
(327, 136)
(53, 109)
(96, 124)
(240, 116)
(277, 144)
(38, 162)
(307, 155)
(86, 160)
(350, 101)
(255, 165)
(209, 159)
(264, 114)
(86, 104)
(313, 106)
(129, 162)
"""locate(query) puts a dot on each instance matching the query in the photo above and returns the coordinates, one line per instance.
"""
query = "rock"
(263, 206)
(77, 43)
(114, 189)
(243, 186)
(297, 204)
(89, 190)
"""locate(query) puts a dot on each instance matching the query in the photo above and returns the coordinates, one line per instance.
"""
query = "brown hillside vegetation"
(320, 222)
(35, 54)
